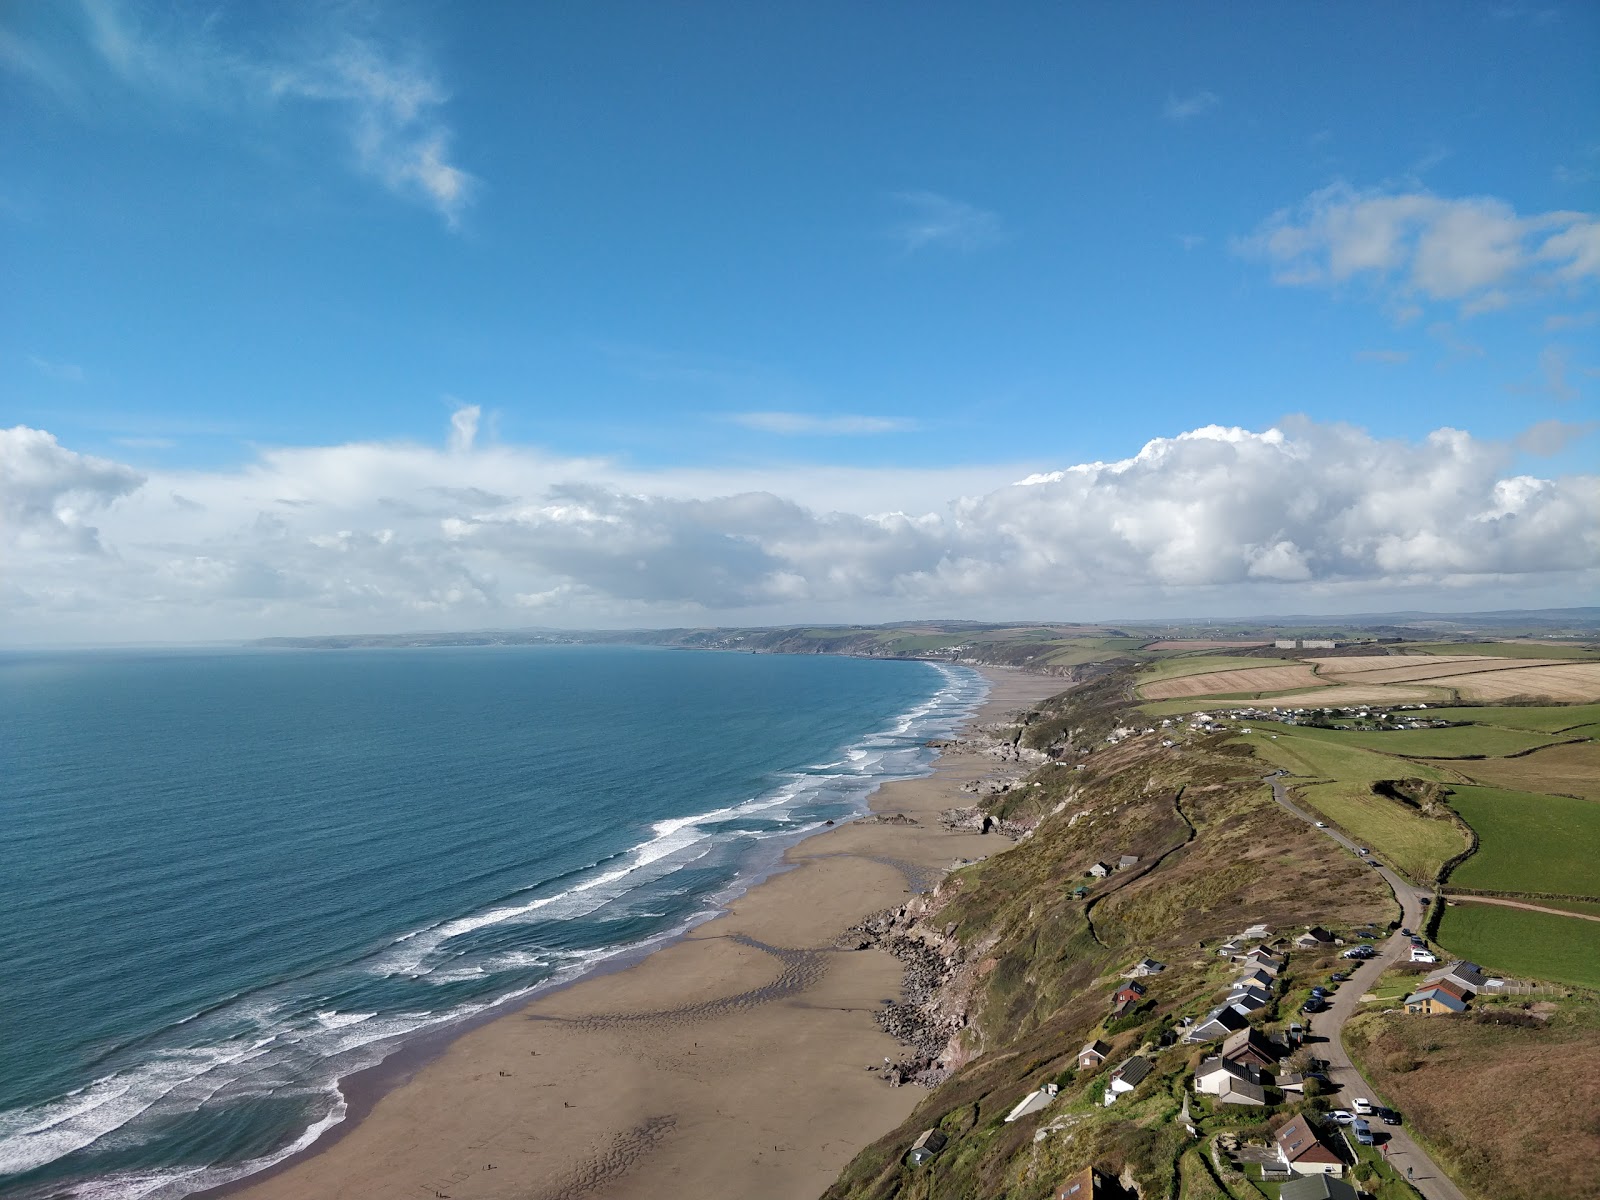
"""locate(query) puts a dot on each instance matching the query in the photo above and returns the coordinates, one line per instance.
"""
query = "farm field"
(1413, 668)
(1563, 681)
(1528, 945)
(1572, 770)
(1172, 644)
(1258, 678)
(1332, 758)
(1415, 845)
(1551, 719)
(1529, 842)
(1175, 668)
(1509, 649)
(1455, 742)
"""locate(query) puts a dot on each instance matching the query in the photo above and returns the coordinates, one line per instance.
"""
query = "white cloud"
(464, 428)
(933, 220)
(1414, 247)
(1552, 437)
(376, 536)
(1186, 108)
(385, 104)
(811, 424)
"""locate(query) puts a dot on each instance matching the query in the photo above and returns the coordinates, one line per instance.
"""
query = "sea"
(233, 876)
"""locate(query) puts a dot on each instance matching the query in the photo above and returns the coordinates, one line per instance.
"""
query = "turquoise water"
(234, 876)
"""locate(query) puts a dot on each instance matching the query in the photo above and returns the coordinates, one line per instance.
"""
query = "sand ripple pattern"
(802, 970)
(623, 1153)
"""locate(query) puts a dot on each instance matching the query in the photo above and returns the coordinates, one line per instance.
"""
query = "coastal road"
(1404, 1153)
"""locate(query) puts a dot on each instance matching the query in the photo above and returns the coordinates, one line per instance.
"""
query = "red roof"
(1298, 1143)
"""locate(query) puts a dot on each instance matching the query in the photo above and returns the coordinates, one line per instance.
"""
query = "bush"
(1401, 1061)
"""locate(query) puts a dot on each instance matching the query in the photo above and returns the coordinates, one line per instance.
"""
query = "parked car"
(1366, 935)
(1363, 1107)
(1363, 1132)
(1341, 1116)
(1322, 824)
(1405, 931)
(1362, 850)
(1313, 1005)
(1390, 1117)
(1339, 976)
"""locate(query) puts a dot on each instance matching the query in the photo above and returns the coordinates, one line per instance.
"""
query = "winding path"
(1453, 898)
(1404, 1153)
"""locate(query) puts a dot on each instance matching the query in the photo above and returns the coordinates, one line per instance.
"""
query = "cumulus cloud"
(808, 423)
(376, 535)
(1410, 247)
(1186, 108)
(932, 220)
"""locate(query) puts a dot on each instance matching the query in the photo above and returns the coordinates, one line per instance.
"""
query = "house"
(1317, 1187)
(1215, 1075)
(1128, 1076)
(1256, 977)
(1291, 1081)
(1033, 1102)
(1314, 937)
(1129, 991)
(1436, 998)
(1300, 1151)
(1465, 977)
(1127, 860)
(1262, 959)
(1123, 1007)
(1242, 1091)
(1087, 1184)
(1249, 1001)
(1230, 948)
(1092, 1055)
(1100, 870)
(1248, 1047)
(1148, 966)
(928, 1144)
(1219, 1024)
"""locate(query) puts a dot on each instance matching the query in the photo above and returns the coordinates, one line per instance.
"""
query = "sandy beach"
(728, 1064)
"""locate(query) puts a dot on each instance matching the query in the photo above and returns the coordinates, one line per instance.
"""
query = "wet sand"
(731, 1063)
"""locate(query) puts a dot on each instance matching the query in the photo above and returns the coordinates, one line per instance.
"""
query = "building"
(1318, 644)
(1436, 998)
(1219, 1024)
(1127, 1077)
(1087, 1184)
(1033, 1102)
(928, 1144)
(1285, 644)
(1148, 966)
(1300, 1150)
(1466, 977)
(1128, 991)
(1100, 870)
(1317, 1187)
(1127, 860)
(1249, 1048)
(1092, 1055)
(1230, 1083)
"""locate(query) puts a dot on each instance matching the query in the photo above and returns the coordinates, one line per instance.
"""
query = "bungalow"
(1436, 998)
(1230, 948)
(1465, 977)
(1033, 1102)
(1249, 1047)
(1123, 1007)
(1128, 991)
(1258, 977)
(1242, 1091)
(1258, 931)
(1262, 959)
(1092, 1055)
(1317, 1187)
(1291, 1081)
(1127, 860)
(1128, 1076)
(1299, 1150)
(1085, 1185)
(928, 1144)
(1219, 1024)
(1214, 1075)
(1250, 1000)
(1148, 966)
(1100, 870)
(1314, 937)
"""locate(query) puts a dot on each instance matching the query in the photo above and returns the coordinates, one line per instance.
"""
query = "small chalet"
(1087, 1184)
(1436, 998)
(1258, 977)
(1219, 1024)
(1230, 948)
(1129, 991)
(1291, 1081)
(1128, 1076)
(1229, 1082)
(1148, 966)
(1092, 1055)
(1033, 1102)
(1249, 1047)
(1100, 870)
(1250, 999)
(1300, 1150)
(1126, 861)
(1262, 959)
(928, 1144)
(1317, 1187)
(1314, 937)
(1465, 977)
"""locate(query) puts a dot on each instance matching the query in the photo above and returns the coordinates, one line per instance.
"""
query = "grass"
(1332, 757)
(1588, 907)
(1174, 668)
(1529, 842)
(1457, 741)
(1528, 945)
(1509, 650)
(1572, 770)
(1551, 719)
(1415, 845)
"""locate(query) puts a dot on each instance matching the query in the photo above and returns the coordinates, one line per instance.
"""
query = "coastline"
(728, 1062)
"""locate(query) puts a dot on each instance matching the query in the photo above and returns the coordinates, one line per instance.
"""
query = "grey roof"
(1242, 1091)
(1438, 996)
(1132, 1071)
(1317, 1187)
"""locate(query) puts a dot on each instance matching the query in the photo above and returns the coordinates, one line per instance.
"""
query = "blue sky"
(885, 256)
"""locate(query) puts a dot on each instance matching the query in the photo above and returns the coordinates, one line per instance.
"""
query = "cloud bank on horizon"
(387, 536)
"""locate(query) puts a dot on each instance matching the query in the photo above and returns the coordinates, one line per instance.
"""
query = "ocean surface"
(232, 877)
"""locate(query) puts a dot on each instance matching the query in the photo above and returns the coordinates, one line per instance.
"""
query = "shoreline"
(725, 1061)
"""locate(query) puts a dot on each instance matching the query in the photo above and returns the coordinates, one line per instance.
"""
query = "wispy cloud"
(1551, 437)
(808, 424)
(146, 443)
(1413, 247)
(1187, 108)
(385, 103)
(933, 220)
(65, 372)
(1558, 322)
(1389, 358)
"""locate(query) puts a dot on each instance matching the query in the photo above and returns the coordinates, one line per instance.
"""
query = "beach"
(730, 1063)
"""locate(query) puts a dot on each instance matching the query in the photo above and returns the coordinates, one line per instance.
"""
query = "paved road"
(1404, 1153)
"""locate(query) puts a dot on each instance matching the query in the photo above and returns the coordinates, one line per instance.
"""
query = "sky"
(339, 317)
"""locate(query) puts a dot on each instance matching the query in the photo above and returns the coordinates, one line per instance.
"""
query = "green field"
(1415, 845)
(1570, 770)
(1332, 757)
(1457, 741)
(1552, 719)
(1509, 649)
(1527, 945)
(1529, 842)
(1200, 664)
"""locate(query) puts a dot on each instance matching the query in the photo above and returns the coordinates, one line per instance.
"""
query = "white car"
(1341, 1116)
(1363, 1107)
(1322, 824)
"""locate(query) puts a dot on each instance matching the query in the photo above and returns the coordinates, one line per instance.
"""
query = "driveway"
(1404, 1153)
